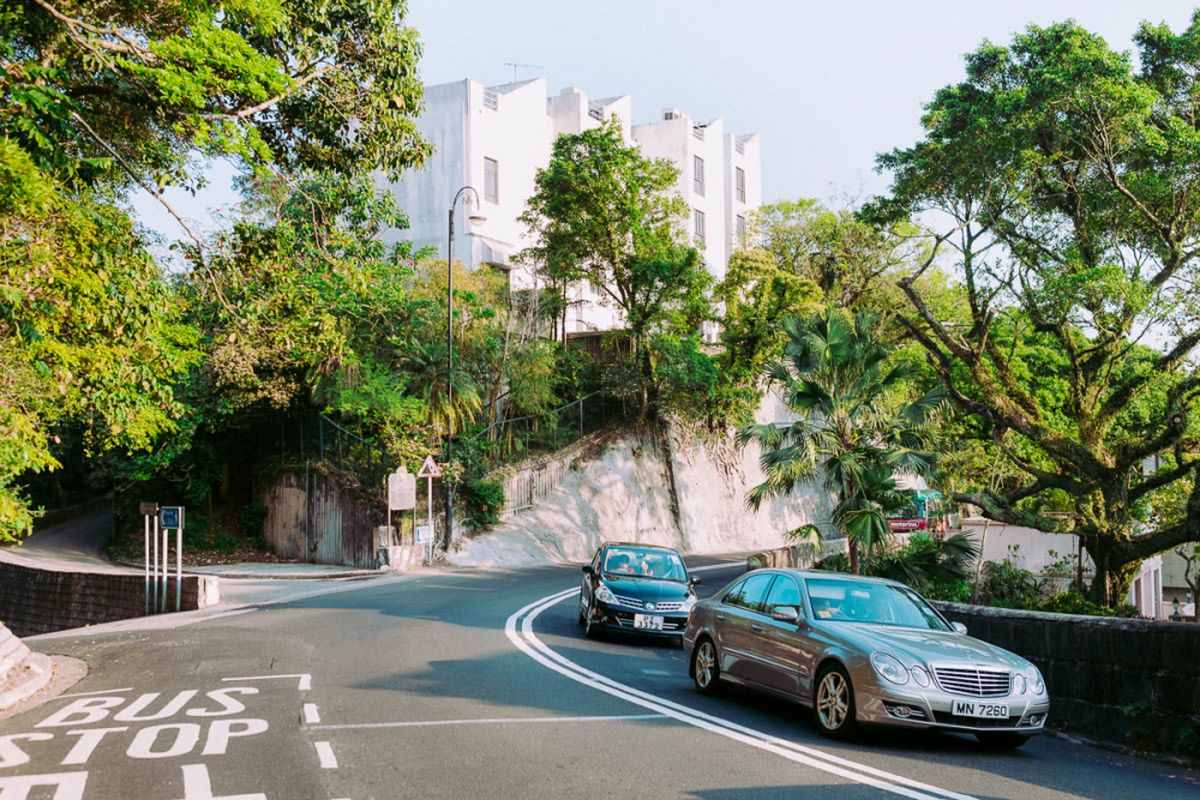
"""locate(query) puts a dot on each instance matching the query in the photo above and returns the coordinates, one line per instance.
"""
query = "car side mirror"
(785, 614)
(958, 627)
(589, 569)
(694, 581)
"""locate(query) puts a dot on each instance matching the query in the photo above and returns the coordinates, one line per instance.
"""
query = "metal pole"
(179, 568)
(429, 513)
(146, 559)
(166, 532)
(449, 370)
(156, 589)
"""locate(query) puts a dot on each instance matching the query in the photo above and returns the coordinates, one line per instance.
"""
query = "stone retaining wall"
(36, 601)
(1135, 682)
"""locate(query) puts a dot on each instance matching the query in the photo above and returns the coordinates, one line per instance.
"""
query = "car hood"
(925, 647)
(648, 590)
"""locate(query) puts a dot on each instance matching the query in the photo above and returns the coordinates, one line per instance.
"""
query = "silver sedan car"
(861, 651)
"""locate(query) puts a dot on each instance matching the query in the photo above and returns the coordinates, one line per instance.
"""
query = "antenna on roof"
(516, 66)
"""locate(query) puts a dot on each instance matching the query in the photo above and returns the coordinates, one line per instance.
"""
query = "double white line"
(519, 629)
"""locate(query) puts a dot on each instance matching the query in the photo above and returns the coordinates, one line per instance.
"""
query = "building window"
(491, 180)
(698, 227)
(741, 185)
(741, 231)
(698, 175)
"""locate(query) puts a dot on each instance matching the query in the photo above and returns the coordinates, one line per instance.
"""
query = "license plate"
(967, 708)
(646, 622)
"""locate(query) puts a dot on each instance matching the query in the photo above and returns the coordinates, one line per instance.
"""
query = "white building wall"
(515, 124)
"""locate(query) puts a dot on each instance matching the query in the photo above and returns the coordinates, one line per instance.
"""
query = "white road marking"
(198, 786)
(722, 565)
(304, 686)
(311, 715)
(90, 694)
(429, 723)
(325, 753)
(528, 643)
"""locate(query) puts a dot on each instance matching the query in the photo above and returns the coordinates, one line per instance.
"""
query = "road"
(475, 684)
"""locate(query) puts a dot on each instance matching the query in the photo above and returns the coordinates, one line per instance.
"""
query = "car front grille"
(633, 602)
(973, 682)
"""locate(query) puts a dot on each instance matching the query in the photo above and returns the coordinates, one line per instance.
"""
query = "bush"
(483, 500)
(1006, 585)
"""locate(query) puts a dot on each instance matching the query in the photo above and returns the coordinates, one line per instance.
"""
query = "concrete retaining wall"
(1135, 682)
(36, 601)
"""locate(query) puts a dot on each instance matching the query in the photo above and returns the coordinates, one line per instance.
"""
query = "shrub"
(484, 501)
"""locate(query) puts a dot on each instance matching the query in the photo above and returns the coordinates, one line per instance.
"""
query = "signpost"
(429, 470)
(172, 517)
(401, 496)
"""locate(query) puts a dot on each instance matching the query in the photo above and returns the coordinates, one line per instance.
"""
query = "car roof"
(641, 545)
(835, 576)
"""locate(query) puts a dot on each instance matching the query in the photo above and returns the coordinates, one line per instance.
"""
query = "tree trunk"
(853, 555)
(1110, 585)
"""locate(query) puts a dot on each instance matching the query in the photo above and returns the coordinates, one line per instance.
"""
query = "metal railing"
(595, 110)
(491, 99)
(509, 440)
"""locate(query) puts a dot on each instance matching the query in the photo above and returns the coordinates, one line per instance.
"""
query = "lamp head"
(477, 219)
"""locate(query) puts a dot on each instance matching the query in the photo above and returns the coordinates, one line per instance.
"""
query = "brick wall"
(1135, 682)
(36, 601)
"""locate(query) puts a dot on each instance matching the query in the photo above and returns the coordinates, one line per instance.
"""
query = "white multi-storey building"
(496, 138)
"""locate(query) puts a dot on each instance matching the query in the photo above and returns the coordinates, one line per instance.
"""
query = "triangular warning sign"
(429, 469)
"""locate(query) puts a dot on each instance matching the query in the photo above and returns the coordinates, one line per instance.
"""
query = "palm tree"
(425, 363)
(852, 431)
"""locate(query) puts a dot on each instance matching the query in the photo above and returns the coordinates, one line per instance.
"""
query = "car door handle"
(720, 617)
(756, 628)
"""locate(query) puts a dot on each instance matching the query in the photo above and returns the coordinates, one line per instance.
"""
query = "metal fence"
(510, 440)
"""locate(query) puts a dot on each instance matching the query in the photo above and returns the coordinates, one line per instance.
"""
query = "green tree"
(852, 261)
(604, 213)
(1070, 184)
(99, 99)
(853, 432)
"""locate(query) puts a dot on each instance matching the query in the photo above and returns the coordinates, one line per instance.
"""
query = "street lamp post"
(475, 219)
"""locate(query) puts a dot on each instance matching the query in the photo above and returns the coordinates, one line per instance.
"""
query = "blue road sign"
(170, 516)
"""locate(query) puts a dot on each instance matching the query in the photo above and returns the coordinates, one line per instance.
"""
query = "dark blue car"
(636, 588)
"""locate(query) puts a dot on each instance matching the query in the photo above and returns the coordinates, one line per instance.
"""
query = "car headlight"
(889, 668)
(688, 604)
(605, 595)
(920, 676)
(1035, 681)
(1019, 684)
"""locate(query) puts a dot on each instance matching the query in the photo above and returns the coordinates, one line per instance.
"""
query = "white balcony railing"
(595, 111)
(491, 99)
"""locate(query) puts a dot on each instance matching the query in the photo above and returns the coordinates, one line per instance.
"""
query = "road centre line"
(430, 723)
(311, 715)
(528, 642)
(325, 754)
(304, 686)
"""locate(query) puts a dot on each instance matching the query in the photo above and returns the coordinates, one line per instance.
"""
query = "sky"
(828, 85)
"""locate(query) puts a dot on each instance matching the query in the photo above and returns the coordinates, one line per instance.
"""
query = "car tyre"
(833, 702)
(1001, 741)
(582, 609)
(590, 629)
(706, 667)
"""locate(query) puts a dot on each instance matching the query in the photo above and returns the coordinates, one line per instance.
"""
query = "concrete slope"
(669, 488)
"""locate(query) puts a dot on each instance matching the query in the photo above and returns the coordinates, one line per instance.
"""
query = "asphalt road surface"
(476, 684)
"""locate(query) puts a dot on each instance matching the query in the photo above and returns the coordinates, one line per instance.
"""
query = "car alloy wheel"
(834, 702)
(706, 670)
(583, 609)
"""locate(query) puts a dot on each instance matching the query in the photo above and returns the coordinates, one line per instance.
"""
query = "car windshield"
(875, 603)
(636, 562)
